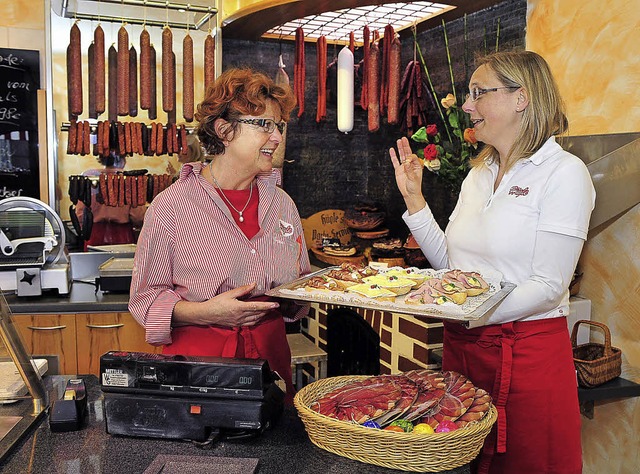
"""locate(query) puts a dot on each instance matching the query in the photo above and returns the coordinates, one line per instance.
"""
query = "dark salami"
(209, 61)
(127, 189)
(103, 188)
(72, 137)
(184, 146)
(364, 101)
(121, 190)
(91, 79)
(159, 139)
(168, 85)
(299, 71)
(373, 90)
(145, 70)
(75, 72)
(123, 71)
(99, 133)
(113, 84)
(133, 182)
(133, 82)
(393, 101)
(122, 134)
(99, 69)
(154, 139)
(153, 90)
(187, 78)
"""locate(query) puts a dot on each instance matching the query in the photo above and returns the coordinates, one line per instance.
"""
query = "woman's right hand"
(408, 171)
(225, 309)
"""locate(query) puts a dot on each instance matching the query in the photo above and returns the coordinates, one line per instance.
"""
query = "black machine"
(180, 397)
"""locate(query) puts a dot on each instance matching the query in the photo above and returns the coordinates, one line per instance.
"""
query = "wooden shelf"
(616, 388)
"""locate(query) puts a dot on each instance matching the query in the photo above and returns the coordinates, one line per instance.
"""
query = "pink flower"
(470, 136)
(432, 130)
(430, 152)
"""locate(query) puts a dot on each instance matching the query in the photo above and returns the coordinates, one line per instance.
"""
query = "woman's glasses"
(475, 92)
(267, 125)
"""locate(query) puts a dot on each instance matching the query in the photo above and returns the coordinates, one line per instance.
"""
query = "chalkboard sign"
(19, 84)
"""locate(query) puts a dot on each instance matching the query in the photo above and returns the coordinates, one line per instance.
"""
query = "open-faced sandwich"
(408, 273)
(472, 282)
(372, 291)
(321, 283)
(349, 274)
(398, 285)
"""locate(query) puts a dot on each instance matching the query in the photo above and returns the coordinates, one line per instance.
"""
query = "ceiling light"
(332, 24)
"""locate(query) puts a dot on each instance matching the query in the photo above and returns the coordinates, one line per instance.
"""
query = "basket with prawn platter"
(403, 451)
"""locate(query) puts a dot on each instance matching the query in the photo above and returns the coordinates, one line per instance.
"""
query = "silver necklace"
(241, 218)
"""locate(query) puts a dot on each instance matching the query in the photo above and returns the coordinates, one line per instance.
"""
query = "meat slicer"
(32, 248)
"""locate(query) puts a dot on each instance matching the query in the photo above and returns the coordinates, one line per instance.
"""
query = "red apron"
(266, 340)
(110, 233)
(527, 367)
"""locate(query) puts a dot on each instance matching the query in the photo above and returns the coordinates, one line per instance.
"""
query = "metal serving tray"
(474, 308)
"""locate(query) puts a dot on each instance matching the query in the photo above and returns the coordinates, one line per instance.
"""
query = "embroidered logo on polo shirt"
(518, 191)
(286, 229)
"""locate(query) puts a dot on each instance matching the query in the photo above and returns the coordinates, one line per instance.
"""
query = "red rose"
(430, 152)
(432, 130)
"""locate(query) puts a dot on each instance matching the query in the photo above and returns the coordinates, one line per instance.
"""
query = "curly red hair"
(237, 92)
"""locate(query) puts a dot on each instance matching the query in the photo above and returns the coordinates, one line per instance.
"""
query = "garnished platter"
(473, 308)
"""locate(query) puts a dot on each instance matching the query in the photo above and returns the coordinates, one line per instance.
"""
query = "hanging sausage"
(123, 71)
(187, 78)
(99, 70)
(74, 72)
(345, 90)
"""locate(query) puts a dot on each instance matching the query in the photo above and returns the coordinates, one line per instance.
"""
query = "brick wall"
(334, 170)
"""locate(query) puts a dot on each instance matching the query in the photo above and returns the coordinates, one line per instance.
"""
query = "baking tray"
(473, 309)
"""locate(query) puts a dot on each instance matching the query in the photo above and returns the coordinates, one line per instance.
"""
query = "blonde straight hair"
(544, 116)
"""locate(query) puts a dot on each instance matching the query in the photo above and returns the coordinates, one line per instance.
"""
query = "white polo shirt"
(531, 230)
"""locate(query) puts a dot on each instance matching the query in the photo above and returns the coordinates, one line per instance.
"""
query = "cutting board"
(333, 260)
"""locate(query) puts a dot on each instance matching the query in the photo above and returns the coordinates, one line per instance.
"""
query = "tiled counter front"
(406, 342)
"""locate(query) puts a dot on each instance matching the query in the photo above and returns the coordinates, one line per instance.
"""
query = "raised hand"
(408, 171)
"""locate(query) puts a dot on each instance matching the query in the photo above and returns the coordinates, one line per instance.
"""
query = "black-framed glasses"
(476, 92)
(267, 125)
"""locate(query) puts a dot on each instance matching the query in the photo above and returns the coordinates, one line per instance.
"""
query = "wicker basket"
(595, 363)
(403, 451)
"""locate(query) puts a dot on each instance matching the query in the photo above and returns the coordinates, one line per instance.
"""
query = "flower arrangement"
(447, 152)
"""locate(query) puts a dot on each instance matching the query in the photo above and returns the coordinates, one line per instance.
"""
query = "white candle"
(345, 90)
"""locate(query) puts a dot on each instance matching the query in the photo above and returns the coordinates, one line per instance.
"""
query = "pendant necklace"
(241, 218)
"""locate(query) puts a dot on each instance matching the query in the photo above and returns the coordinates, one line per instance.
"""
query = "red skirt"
(266, 340)
(527, 367)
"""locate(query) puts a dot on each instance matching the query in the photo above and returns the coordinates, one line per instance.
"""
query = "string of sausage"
(364, 101)
(299, 72)
(373, 88)
(123, 71)
(99, 70)
(92, 81)
(393, 96)
(321, 47)
(384, 73)
(113, 83)
(413, 103)
(209, 61)
(133, 82)
(168, 85)
(153, 90)
(145, 70)
(187, 78)
(74, 72)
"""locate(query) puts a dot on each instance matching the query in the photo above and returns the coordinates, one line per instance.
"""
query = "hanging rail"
(208, 13)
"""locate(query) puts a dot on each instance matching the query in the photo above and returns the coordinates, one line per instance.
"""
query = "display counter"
(83, 298)
(285, 448)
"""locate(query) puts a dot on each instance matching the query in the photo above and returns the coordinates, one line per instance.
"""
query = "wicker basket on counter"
(403, 451)
(595, 363)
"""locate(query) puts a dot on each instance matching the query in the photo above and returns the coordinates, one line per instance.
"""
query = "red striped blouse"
(190, 248)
